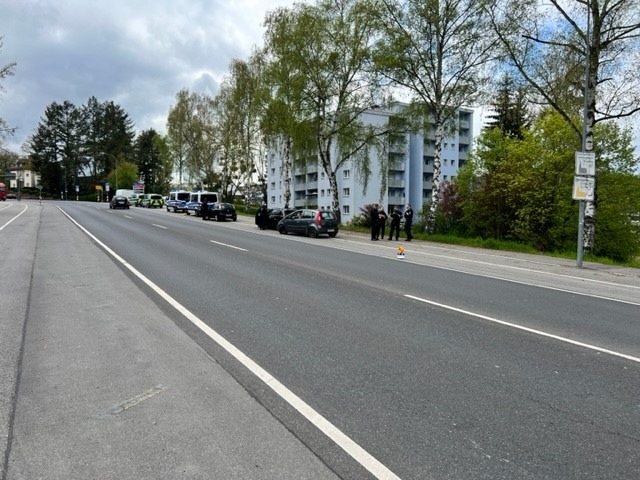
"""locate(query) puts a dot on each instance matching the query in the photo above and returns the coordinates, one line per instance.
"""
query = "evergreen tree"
(509, 109)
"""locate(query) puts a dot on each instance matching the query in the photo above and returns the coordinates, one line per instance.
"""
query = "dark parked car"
(309, 222)
(221, 211)
(274, 215)
(119, 201)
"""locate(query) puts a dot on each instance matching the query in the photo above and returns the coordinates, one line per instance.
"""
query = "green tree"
(283, 115)
(437, 51)
(521, 189)
(510, 112)
(177, 133)
(123, 176)
(149, 161)
(74, 144)
(239, 108)
(558, 48)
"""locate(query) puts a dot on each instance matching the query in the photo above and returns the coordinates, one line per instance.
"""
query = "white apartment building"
(409, 176)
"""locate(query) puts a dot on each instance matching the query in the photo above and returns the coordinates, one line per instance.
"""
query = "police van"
(196, 199)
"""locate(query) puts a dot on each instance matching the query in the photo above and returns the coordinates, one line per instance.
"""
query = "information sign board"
(584, 188)
(585, 163)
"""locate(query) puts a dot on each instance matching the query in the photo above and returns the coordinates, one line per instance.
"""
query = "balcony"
(395, 183)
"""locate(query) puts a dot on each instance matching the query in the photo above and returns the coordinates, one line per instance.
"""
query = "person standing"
(375, 228)
(408, 221)
(262, 216)
(382, 221)
(396, 216)
(204, 210)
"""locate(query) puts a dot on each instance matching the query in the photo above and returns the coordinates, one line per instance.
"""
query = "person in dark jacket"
(382, 221)
(204, 210)
(375, 228)
(408, 220)
(396, 216)
(262, 217)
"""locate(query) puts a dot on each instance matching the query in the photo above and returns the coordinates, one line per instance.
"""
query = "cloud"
(137, 53)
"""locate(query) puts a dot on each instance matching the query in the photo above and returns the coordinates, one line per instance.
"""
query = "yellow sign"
(98, 187)
(584, 188)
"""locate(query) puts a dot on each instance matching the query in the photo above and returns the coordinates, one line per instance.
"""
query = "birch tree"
(580, 57)
(436, 51)
(329, 52)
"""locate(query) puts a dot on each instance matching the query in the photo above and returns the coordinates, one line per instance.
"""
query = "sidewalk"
(111, 388)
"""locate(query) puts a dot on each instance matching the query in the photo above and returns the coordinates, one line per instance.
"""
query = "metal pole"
(585, 107)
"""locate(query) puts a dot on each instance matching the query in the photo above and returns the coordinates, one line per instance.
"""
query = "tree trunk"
(437, 173)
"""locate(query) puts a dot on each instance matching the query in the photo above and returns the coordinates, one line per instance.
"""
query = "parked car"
(274, 215)
(119, 201)
(177, 201)
(309, 222)
(152, 200)
(136, 200)
(221, 211)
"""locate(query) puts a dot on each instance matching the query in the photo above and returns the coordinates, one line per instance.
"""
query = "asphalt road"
(448, 364)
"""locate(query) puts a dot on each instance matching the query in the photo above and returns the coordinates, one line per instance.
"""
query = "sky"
(137, 53)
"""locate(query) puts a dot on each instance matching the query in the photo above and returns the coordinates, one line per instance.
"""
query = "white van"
(196, 199)
(130, 194)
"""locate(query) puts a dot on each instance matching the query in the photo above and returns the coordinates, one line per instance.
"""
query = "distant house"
(23, 172)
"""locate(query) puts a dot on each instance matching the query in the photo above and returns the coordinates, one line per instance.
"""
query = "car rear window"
(155, 197)
(327, 215)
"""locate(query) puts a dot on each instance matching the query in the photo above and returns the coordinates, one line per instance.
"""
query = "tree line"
(558, 66)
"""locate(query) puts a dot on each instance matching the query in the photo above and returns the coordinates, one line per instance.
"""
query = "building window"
(346, 192)
(273, 200)
(346, 174)
(345, 209)
(273, 185)
(322, 193)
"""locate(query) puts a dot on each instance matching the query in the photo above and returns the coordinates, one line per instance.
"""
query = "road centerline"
(229, 246)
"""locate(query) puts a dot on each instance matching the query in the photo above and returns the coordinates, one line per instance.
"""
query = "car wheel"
(282, 229)
(219, 218)
(312, 232)
(332, 235)
(235, 218)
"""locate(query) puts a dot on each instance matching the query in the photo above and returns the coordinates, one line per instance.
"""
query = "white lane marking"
(14, 218)
(358, 453)
(159, 226)
(229, 246)
(128, 216)
(526, 329)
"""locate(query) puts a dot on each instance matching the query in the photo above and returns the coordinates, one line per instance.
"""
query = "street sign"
(586, 163)
(584, 188)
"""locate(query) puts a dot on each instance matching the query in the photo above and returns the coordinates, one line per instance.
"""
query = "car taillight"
(318, 218)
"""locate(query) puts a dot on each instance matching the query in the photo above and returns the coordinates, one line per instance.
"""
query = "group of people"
(379, 222)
